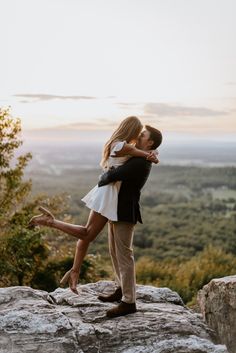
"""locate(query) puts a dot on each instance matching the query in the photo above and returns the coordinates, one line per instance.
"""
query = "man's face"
(143, 142)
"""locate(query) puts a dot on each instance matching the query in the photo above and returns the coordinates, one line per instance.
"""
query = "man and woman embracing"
(126, 161)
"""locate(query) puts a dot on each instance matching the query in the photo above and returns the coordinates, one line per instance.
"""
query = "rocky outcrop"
(217, 301)
(60, 321)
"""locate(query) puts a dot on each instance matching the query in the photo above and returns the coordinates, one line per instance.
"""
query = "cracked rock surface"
(217, 301)
(37, 321)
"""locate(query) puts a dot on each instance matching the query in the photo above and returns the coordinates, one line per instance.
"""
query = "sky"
(87, 64)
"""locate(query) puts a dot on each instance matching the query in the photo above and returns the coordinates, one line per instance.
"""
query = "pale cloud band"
(99, 124)
(159, 109)
(169, 110)
(47, 97)
(162, 109)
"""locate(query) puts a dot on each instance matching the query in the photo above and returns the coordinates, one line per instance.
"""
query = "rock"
(217, 301)
(37, 321)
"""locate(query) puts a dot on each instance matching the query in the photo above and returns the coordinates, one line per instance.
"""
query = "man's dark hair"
(155, 136)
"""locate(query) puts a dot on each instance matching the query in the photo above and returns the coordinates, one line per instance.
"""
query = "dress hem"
(100, 212)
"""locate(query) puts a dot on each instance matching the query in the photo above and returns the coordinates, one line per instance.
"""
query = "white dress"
(104, 199)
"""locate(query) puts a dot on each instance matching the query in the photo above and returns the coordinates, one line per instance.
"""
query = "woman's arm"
(135, 152)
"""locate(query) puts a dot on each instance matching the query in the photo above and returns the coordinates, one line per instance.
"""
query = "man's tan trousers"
(120, 239)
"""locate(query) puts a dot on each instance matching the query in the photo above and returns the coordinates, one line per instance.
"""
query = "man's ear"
(150, 143)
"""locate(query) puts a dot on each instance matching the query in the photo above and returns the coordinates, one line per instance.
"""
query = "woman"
(101, 200)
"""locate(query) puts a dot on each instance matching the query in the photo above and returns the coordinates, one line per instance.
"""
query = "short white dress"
(104, 199)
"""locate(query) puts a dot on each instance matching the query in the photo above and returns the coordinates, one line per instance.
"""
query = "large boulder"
(61, 321)
(217, 302)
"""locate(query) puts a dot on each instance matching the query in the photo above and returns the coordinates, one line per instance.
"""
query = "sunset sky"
(87, 64)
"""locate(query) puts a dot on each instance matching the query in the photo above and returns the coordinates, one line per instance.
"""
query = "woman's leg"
(78, 231)
(80, 253)
(47, 219)
(94, 226)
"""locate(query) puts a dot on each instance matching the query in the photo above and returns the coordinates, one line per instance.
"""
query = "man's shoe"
(116, 296)
(122, 309)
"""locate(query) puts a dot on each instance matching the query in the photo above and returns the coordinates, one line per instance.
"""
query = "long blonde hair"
(128, 130)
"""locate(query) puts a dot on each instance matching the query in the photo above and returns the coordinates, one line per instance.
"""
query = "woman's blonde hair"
(128, 130)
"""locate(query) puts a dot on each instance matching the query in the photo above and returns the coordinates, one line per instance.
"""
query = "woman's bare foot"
(45, 219)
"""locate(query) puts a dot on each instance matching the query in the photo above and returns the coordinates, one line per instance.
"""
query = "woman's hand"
(152, 157)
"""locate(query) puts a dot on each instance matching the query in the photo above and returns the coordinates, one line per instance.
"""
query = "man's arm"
(127, 171)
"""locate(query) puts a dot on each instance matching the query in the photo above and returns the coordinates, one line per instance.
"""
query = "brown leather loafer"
(116, 296)
(122, 309)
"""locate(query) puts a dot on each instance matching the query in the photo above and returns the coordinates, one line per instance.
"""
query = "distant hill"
(66, 148)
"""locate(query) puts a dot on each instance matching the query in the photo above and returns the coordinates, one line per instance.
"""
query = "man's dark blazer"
(133, 174)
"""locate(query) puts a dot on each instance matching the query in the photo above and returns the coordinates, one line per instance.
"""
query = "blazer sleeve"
(127, 171)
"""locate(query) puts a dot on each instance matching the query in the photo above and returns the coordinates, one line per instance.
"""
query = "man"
(133, 174)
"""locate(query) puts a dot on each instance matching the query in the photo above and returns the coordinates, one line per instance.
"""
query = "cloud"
(93, 125)
(163, 109)
(231, 83)
(169, 110)
(47, 97)
(99, 124)
(127, 105)
(107, 123)
(73, 126)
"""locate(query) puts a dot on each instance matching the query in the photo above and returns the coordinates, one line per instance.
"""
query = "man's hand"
(103, 179)
(152, 157)
(126, 172)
